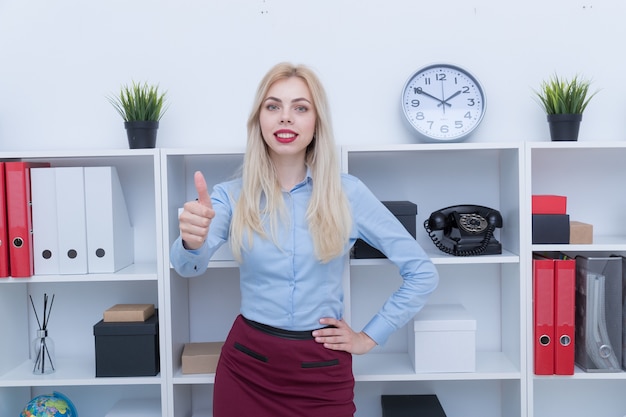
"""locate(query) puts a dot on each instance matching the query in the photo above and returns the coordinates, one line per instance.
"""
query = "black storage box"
(127, 348)
(550, 228)
(405, 211)
(411, 406)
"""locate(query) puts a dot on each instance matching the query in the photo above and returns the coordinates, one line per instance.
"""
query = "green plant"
(140, 102)
(559, 95)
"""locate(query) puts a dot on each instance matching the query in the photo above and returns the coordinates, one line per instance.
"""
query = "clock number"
(444, 129)
(471, 102)
(419, 116)
(415, 103)
(465, 89)
(468, 115)
(440, 77)
(417, 90)
(427, 80)
(458, 124)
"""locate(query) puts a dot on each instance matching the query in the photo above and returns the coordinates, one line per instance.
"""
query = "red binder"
(543, 316)
(564, 313)
(19, 217)
(4, 246)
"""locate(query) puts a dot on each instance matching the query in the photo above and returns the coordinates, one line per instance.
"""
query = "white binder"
(70, 193)
(44, 215)
(110, 241)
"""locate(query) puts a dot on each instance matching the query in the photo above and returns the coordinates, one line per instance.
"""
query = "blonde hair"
(328, 213)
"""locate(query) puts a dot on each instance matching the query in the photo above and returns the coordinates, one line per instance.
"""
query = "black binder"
(411, 406)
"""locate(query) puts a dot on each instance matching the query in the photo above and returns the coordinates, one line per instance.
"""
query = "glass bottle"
(43, 354)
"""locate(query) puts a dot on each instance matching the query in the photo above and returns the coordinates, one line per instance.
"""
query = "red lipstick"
(285, 135)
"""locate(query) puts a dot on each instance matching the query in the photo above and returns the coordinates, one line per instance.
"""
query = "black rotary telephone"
(467, 230)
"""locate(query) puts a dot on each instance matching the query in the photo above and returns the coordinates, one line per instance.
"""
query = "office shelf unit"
(592, 176)
(491, 287)
(80, 300)
(495, 289)
(200, 309)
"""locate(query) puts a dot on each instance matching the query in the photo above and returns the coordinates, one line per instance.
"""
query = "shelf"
(600, 244)
(135, 272)
(577, 145)
(440, 258)
(180, 378)
(398, 367)
(579, 374)
(70, 371)
(445, 147)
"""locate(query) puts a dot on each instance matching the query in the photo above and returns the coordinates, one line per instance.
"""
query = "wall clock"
(443, 102)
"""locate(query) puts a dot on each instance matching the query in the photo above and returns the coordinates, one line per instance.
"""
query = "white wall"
(59, 59)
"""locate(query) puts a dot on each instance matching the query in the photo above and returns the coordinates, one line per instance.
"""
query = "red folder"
(19, 217)
(4, 246)
(543, 316)
(564, 313)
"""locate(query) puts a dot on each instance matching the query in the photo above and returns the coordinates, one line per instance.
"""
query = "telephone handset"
(467, 230)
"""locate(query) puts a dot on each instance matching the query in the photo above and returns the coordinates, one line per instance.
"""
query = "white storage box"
(140, 407)
(443, 339)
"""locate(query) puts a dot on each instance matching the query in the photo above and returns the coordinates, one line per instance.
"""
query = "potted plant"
(564, 102)
(141, 105)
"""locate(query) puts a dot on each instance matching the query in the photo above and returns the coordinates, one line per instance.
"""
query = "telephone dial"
(467, 230)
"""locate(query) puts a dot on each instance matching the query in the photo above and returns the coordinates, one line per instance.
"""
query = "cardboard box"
(128, 312)
(201, 357)
(127, 348)
(405, 211)
(442, 338)
(136, 407)
(580, 233)
(550, 228)
(549, 204)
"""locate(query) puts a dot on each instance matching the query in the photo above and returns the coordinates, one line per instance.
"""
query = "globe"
(54, 405)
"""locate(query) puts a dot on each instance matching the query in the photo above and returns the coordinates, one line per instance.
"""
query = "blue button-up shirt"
(284, 285)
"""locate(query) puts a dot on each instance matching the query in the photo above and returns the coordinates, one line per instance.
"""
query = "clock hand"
(433, 97)
(446, 100)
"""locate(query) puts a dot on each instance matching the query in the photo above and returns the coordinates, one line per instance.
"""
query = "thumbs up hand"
(196, 217)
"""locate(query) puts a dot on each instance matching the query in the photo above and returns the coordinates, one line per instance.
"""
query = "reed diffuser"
(43, 345)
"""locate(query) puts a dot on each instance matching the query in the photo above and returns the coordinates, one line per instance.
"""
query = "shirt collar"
(308, 179)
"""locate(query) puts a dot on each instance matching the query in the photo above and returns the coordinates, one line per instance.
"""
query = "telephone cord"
(476, 251)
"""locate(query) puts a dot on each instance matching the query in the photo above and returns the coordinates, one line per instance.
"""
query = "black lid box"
(127, 348)
(550, 228)
(405, 211)
(425, 405)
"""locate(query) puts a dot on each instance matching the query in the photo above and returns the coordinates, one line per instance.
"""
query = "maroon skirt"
(268, 372)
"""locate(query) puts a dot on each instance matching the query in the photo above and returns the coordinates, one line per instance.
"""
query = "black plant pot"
(141, 133)
(564, 126)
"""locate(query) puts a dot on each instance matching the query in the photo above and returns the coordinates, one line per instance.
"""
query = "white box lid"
(443, 317)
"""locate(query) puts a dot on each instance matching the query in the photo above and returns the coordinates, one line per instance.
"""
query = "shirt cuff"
(379, 330)
(189, 262)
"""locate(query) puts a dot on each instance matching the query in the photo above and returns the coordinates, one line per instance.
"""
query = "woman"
(291, 220)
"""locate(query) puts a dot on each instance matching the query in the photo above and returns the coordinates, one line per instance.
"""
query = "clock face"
(443, 102)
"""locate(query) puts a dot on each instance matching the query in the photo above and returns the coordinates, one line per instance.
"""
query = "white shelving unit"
(200, 309)
(591, 175)
(81, 299)
(491, 288)
(496, 289)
